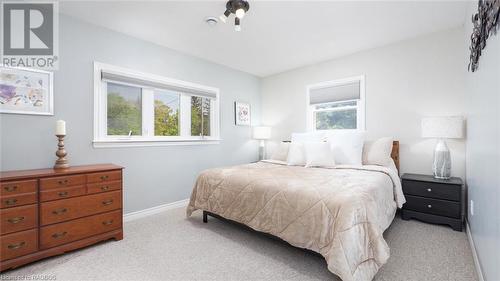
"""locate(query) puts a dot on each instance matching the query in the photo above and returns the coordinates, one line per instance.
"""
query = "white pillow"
(281, 151)
(296, 154)
(319, 154)
(378, 152)
(347, 146)
(305, 137)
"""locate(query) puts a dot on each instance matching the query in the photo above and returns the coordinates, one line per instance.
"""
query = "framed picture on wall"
(242, 113)
(26, 91)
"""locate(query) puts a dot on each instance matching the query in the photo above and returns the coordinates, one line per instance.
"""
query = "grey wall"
(153, 175)
(404, 82)
(483, 151)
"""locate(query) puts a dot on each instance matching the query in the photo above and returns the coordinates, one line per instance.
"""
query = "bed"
(340, 213)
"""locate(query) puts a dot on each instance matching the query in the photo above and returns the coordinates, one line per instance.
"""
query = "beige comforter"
(340, 213)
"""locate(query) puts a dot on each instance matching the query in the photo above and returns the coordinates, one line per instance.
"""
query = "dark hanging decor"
(485, 21)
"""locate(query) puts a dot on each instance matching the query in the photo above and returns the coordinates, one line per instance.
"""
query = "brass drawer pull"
(429, 206)
(10, 201)
(104, 177)
(107, 202)
(59, 234)
(429, 189)
(63, 194)
(10, 188)
(16, 219)
(104, 188)
(62, 182)
(107, 222)
(59, 211)
(16, 246)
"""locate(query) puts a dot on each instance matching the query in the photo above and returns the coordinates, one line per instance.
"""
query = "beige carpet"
(168, 246)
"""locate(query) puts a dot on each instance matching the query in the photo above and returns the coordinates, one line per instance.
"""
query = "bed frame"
(395, 153)
(394, 156)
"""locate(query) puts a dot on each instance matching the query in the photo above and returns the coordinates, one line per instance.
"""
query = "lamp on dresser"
(262, 133)
(441, 128)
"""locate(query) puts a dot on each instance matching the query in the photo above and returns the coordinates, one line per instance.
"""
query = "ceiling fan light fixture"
(240, 13)
(237, 25)
(225, 16)
(237, 7)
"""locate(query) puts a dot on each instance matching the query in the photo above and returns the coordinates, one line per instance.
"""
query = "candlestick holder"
(61, 162)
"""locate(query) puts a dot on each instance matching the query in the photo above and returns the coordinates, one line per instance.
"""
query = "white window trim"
(100, 109)
(361, 106)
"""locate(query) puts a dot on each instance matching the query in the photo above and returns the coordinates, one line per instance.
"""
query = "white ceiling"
(277, 35)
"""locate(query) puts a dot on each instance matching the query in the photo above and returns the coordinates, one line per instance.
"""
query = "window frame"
(101, 139)
(360, 104)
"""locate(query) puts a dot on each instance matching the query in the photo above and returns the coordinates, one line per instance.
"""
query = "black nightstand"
(433, 200)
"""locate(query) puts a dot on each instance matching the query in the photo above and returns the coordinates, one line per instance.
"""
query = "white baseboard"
(154, 210)
(474, 253)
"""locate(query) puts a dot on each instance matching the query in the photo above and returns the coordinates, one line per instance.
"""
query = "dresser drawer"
(19, 218)
(57, 182)
(18, 200)
(17, 187)
(104, 186)
(104, 176)
(61, 233)
(62, 193)
(433, 206)
(432, 190)
(67, 209)
(18, 244)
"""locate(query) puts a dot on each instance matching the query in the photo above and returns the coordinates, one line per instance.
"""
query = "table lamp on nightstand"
(441, 128)
(262, 133)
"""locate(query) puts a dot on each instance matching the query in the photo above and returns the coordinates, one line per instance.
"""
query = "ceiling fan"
(238, 8)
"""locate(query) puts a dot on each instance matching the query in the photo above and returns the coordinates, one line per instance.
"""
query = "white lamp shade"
(450, 127)
(261, 133)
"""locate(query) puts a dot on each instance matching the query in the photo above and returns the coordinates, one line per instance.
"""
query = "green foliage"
(166, 120)
(123, 116)
(342, 119)
(200, 111)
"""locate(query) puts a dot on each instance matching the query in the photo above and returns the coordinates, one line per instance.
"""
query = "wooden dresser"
(49, 212)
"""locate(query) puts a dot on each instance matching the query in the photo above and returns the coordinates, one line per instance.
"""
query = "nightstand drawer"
(433, 206)
(432, 190)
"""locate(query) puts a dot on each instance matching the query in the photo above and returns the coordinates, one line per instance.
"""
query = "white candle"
(60, 127)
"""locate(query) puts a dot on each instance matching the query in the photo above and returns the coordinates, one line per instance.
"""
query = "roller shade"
(343, 92)
(117, 77)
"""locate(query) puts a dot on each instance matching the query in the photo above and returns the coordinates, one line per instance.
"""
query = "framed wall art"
(242, 114)
(26, 91)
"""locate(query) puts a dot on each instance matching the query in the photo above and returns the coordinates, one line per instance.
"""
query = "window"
(336, 105)
(138, 109)
(167, 105)
(124, 110)
(200, 116)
